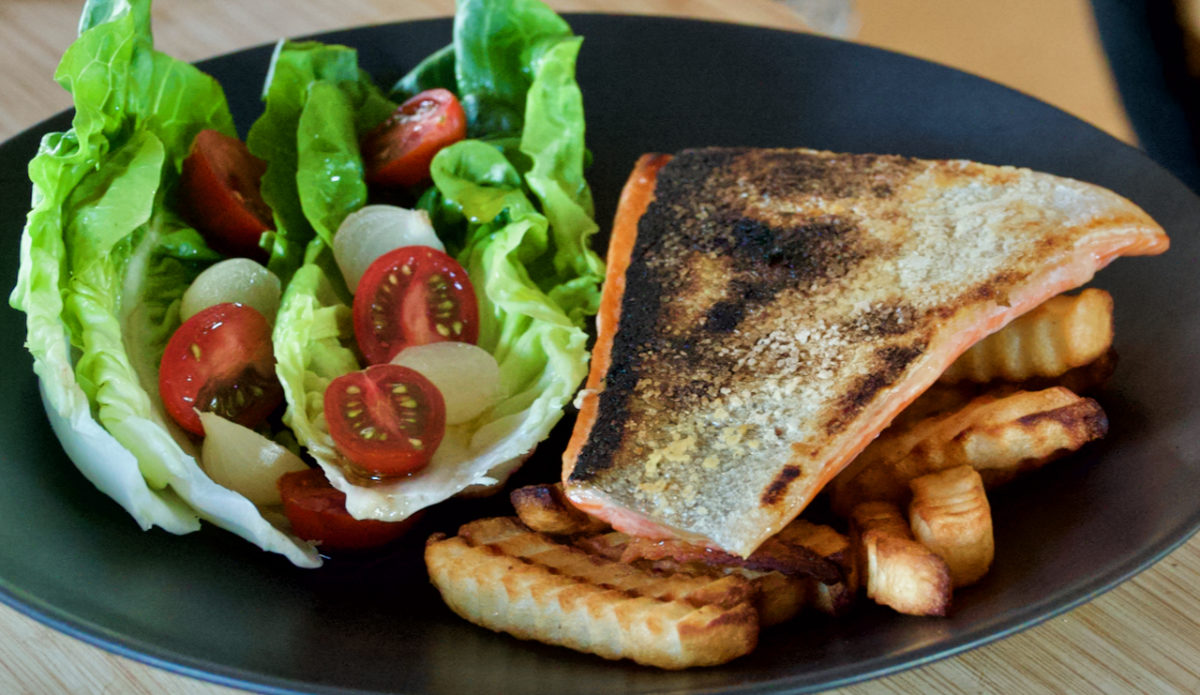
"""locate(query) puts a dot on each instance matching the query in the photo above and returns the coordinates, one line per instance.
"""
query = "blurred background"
(1130, 67)
(1127, 66)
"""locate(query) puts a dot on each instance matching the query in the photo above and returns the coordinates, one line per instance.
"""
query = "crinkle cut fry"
(999, 437)
(546, 509)
(1060, 334)
(779, 598)
(502, 576)
(515, 540)
(898, 571)
(950, 515)
(775, 554)
(804, 565)
(834, 598)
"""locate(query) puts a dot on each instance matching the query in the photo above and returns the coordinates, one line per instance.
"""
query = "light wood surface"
(1142, 637)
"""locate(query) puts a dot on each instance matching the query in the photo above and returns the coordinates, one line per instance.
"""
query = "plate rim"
(1031, 615)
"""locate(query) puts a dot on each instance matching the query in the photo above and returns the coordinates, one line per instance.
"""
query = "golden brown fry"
(834, 598)
(1031, 429)
(499, 574)
(899, 572)
(939, 399)
(610, 545)
(788, 575)
(781, 597)
(1085, 379)
(999, 437)
(546, 509)
(775, 554)
(1062, 333)
(950, 515)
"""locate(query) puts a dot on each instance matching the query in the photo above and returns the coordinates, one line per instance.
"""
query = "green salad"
(211, 318)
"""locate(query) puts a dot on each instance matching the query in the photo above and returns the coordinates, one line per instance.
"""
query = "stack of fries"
(914, 506)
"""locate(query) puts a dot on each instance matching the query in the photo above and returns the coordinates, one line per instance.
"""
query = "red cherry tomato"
(318, 513)
(386, 418)
(413, 295)
(220, 194)
(398, 151)
(220, 360)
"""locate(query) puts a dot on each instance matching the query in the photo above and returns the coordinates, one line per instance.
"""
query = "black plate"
(212, 606)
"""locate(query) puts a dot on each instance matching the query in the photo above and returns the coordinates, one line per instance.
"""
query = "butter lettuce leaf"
(103, 266)
(514, 207)
(317, 103)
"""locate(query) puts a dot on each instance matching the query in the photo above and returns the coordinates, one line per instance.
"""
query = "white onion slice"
(243, 460)
(372, 231)
(233, 280)
(467, 375)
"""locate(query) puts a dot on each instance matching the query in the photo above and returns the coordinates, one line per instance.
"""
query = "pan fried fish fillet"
(767, 312)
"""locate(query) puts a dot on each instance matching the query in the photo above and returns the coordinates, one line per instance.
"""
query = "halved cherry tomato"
(318, 513)
(413, 295)
(398, 151)
(386, 419)
(220, 194)
(220, 360)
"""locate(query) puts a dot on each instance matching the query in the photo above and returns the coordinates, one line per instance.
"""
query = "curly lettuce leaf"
(542, 362)
(436, 70)
(497, 44)
(103, 265)
(315, 98)
(516, 211)
(488, 63)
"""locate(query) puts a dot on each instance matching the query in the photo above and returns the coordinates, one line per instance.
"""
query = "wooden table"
(1143, 636)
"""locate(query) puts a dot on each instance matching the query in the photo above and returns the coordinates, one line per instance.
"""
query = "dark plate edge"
(1034, 614)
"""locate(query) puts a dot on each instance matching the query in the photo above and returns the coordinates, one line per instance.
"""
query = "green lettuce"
(514, 207)
(104, 264)
(317, 105)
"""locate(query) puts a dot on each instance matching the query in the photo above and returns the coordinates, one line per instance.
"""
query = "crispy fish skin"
(499, 574)
(777, 308)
